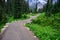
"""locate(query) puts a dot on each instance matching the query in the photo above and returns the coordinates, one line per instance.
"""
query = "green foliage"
(3, 19)
(10, 19)
(1, 26)
(44, 32)
(25, 16)
(31, 14)
(47, 21)
(40, 19)
(51, 8)
(46, 28)
(12, 9)
(20, 8)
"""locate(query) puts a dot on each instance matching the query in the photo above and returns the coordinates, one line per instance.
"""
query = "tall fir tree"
(49, 7)
(20, 7)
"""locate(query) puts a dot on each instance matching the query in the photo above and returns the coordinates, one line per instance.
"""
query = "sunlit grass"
(43, 32)
(46, 28)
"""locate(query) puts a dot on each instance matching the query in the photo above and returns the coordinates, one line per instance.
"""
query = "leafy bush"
(42, 19)
(1, 26)
(4, 19)
(25, 16)
(46, 28)
(39, 19)
(44, 33)
(10, 19)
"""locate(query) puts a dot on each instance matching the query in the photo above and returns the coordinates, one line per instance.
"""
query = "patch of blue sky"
(30, 0)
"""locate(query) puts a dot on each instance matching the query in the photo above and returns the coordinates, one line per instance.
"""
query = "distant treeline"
(13, 8)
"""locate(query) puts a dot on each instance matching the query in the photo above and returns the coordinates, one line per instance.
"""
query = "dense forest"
(13, 8)
(45, 27)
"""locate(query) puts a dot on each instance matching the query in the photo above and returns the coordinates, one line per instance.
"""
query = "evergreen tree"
(10, 7)
(2, 12)
(58, 5)
(49, 7)
(20, 7)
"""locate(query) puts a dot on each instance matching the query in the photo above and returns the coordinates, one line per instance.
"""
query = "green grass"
(1, 26)
(44, 28)
(44, 32)
(11, 19)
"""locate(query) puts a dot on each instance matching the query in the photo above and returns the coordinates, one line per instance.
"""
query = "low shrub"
(44, 32)
(46, 28)
(25, 16)
(10, 19)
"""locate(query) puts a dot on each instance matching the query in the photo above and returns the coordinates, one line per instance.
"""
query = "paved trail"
(17, 31)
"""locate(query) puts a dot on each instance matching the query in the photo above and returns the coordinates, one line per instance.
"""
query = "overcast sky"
(5, 0)
(40, 5)
(32, 3)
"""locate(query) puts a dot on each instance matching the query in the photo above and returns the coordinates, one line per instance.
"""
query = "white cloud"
(42, 1)
(5, 0)
(40, 5)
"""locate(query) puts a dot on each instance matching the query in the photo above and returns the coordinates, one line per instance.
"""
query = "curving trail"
(17, 31)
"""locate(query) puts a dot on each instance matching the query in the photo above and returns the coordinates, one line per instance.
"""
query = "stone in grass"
(30, 13)
(7, 23)
(3, 29)
(14, 21)
(27, 28)
(24, 23)
(34, 36)
(5, 26)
